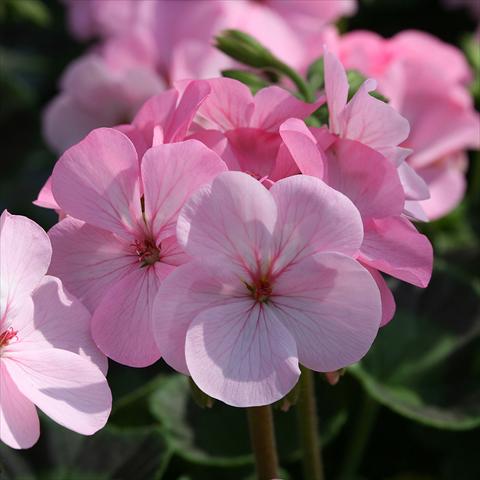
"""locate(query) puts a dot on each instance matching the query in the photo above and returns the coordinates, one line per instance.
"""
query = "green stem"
(359, 440)
(302, 86)
(262, 437)
(308, 427)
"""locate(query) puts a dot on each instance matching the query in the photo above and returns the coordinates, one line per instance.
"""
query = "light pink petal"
(241, 354)
(19, 425)
(158, 110)
(331, 306)
(193, 96)
(393, 245)
(171, 173)
(413, 210)
(66, 122)
(67, 387)
(447, 184)
(185, 293)
(59, 321)
(413, 184)
(97, 181)
(274, 105)
(373, 122)
(313, 217)
(303, 147)
(229, 105)
(366, 177)
(122, 323)
(25, 252)
(136, 136)
(89, 260)
(336, 89)
(45, 197)
(388, 301)
(233, 217)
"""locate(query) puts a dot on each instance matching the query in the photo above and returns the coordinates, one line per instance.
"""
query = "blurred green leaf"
(34, 11)
(218, 436)
(253, 81)
(420, 365)
(315, 74)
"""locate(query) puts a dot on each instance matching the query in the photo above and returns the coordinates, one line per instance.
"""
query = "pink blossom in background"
(243, 129)
(426, 81)
(148, 45)
(117, 243)
(47, 356)
(272, 284)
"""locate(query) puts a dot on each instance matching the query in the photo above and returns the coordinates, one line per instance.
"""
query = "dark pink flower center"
(261, 290)
(148, 252)
(6, 336)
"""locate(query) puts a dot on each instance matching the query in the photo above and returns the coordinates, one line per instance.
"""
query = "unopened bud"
(334, 377)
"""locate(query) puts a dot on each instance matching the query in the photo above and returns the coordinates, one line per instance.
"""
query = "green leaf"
(315, 74)
(34, 11)
(422, 365)
(218, 436)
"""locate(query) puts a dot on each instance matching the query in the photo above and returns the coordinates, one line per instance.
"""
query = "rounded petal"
(233, 217)
(388, 301)
(183, 295)
(366, 177)
(171, 173)
(413, 184)
(97, 181)
(25, 253)
(89, 260)
(68, 388)
(241, 354)
(393, 245)
(122, 323)
(331, 305)
(59, 321)
(45, 197)
(19, 424)
(313, 217)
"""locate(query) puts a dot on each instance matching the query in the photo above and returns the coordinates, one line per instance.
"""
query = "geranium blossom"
(272, 284)
(117, 243)
(411, 69)
(47, 356)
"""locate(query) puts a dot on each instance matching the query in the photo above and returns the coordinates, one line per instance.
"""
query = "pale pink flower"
(375, 124)
(243, 129)
(272, 284)
(426, 81)
(96, 93)
(47, 356)
(391, 243)
(118, 243)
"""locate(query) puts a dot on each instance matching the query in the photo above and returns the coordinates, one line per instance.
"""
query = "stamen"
(148, 253)
(261, 290)
(6, 336)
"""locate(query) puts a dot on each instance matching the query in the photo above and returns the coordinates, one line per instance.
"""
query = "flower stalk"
(262, 437)
(308, 428)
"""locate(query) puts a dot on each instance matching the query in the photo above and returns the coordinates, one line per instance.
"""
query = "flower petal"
(122, 323)
(171, 173)
(184, 294)
(331, 306)
(89, 260)
(241, 354)
(366, 177)
(233, 217)
(59, 321)
(19, 424)
(68, 388)
(25, 253)
(313, 217)
(393, 245)
(97, 181)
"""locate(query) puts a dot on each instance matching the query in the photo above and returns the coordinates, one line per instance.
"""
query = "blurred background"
(410, 410)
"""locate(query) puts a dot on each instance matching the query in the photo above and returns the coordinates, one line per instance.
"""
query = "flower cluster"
(232, 234)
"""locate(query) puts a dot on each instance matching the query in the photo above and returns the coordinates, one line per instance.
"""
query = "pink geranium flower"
(243, 129)
(272, 284)
(117, 244)
(391, 243)
(47, 356)
(411, 69)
